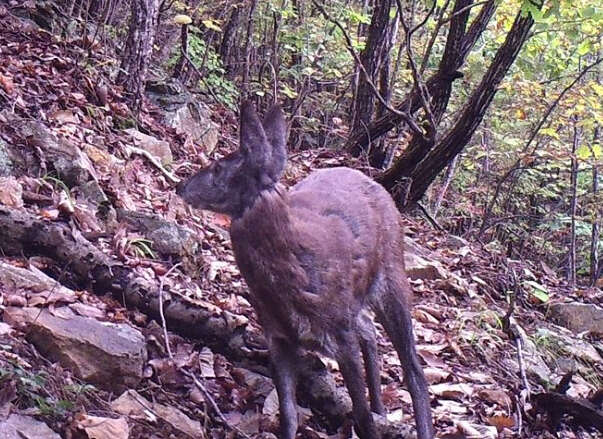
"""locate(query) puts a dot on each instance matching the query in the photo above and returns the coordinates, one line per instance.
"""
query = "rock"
(12, 161)
(579, 317)
(184, 113)
(166, 237)
(92, 193)
(25, 427)
(559, 345)
(11, 192)
(73, 167)
(131, 403)
(535, 366)
(107, 354)
(34, 281)
(158, 148)
(420, 268)
(456, 242)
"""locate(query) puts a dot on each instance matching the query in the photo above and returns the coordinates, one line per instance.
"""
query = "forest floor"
(470, 307)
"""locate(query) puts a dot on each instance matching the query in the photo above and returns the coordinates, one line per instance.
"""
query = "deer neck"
(265, 225)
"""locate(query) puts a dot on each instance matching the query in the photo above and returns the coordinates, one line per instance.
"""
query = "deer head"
(232, 184)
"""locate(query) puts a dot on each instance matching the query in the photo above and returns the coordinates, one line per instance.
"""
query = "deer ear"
(253, 140)
(275, 129)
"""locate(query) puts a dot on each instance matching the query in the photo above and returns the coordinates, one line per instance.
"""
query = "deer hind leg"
(393, 311)
(284, 359)
(348, 357)
(368, 346)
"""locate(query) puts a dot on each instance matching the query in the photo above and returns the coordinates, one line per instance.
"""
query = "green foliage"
(206, 59)
(35, 389)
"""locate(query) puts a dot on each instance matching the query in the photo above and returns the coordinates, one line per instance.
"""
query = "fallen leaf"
(495, 396)
(501, 422)
(7, 84)
(452, 390)
(435, 375)
(97, 427)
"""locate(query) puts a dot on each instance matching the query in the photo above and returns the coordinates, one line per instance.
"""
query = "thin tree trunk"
(228, 42)
(447, 180)
(137, 52)
(249, 37)
(594, 240)
(571, 275)
(182, 60)
(377, 35)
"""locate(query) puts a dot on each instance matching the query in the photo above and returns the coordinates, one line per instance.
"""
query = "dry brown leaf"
(206, 363)
(495, 396)
(270, 407)
(501, 422)
(452, 390)
(435, 375)
(7, 84)
(64, 116)
(97, 427)
(474, 431)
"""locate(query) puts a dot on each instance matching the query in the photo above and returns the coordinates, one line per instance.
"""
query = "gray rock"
(418, 267)
(12, 160)
(73, 167)
(25, 427)
(560, 345)
(158, 148)
(456, 242)
(578, 317)
(92, 193)
(166, 237)
(183, 112)
(107, 354)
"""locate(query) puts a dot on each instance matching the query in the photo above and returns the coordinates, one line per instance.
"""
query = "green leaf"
(537, 290)
(550, 132)
(584, 48)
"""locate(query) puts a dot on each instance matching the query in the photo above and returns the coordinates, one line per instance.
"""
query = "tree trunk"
(179, 70)
(571, 272)
(248, 45)
(447, 180)
(458, 46)
(424, 167)
(227, 46)
(594, 241)
(364, 102)
(138, 49)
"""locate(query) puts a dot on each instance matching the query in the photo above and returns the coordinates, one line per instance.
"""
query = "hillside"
(123, 313)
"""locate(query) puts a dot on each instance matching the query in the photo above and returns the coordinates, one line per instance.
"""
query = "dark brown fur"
(315, 259)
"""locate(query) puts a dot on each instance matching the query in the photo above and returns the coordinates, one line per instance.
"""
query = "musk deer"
(315, 258)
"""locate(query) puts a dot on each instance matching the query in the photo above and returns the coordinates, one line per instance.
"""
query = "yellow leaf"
(182, 19)
(520, 114)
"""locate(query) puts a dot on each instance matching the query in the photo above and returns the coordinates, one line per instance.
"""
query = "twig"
(416, 75)
(181, 369)
(404, 116)
(212, 402)
(432, 220)
(460, 11)
(134, 150)
(163, 323)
